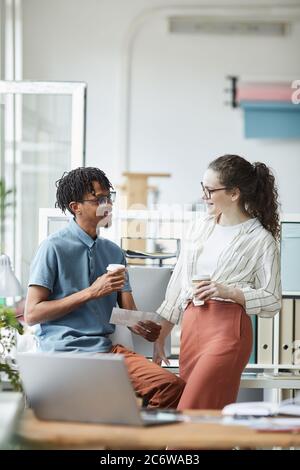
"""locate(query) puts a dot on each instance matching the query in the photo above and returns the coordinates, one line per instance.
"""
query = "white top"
(250, 262)
(214, 246)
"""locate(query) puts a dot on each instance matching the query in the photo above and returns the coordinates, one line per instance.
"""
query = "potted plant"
(9, 326)
(4, 204)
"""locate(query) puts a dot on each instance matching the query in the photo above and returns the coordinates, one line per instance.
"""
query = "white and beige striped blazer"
(250, 262)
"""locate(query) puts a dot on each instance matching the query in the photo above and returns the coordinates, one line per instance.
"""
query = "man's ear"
(235, 194)
(75, 208)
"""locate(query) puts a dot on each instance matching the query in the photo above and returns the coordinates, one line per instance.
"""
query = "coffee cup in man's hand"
(115, 267)
(116, 270)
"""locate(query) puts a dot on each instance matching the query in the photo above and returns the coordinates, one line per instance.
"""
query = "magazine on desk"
(290, 407)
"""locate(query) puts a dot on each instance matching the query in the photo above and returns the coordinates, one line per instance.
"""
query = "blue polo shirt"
(67, 262)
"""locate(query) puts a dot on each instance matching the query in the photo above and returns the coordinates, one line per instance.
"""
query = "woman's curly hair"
(256, 182)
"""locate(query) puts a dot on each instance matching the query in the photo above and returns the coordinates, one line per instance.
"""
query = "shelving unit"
(275, 367)
(268, 376)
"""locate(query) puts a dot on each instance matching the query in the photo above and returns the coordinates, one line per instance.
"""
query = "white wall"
(179, 119)
(178, 122)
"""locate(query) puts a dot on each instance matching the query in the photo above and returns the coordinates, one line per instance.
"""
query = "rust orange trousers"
(159, 387)
(216, 343)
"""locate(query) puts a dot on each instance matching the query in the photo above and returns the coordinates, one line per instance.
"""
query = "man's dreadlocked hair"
(73, 185)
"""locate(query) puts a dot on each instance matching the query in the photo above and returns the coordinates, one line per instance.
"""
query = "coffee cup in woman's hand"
(195, 283)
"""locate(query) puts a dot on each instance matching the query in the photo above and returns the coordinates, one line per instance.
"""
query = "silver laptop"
(85, 388)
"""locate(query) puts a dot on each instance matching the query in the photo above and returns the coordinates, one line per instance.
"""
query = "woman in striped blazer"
(236, 244)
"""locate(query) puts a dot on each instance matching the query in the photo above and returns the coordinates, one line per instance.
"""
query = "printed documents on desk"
(289, 407)
(277, 425)
(121, 316)
(264, 423)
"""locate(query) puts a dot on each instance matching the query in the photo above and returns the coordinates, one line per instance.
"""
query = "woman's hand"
(159, 354)
(208, 289)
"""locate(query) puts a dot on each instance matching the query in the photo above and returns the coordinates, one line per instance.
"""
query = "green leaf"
(13, 376)
(8, 319)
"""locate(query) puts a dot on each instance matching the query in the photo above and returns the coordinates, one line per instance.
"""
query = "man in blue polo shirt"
(71, 295)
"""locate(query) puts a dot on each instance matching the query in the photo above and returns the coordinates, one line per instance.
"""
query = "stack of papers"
(289, 407)
(277, 425)
(264, 424)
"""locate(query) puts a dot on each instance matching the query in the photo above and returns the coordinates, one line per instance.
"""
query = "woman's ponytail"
(265, 203)
(259, 194)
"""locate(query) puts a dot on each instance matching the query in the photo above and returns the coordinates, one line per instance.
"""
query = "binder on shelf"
(296, 352)
(289, 252)
(253, 357)
(264, 340)
(286, 331)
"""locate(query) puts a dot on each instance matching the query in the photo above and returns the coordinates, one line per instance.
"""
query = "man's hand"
(113, 281)
(208, 289)
(147, 329)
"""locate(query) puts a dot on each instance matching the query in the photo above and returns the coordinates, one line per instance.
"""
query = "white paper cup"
(195, 281)
(114, 267)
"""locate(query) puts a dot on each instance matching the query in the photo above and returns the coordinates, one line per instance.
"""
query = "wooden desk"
(62, 435)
